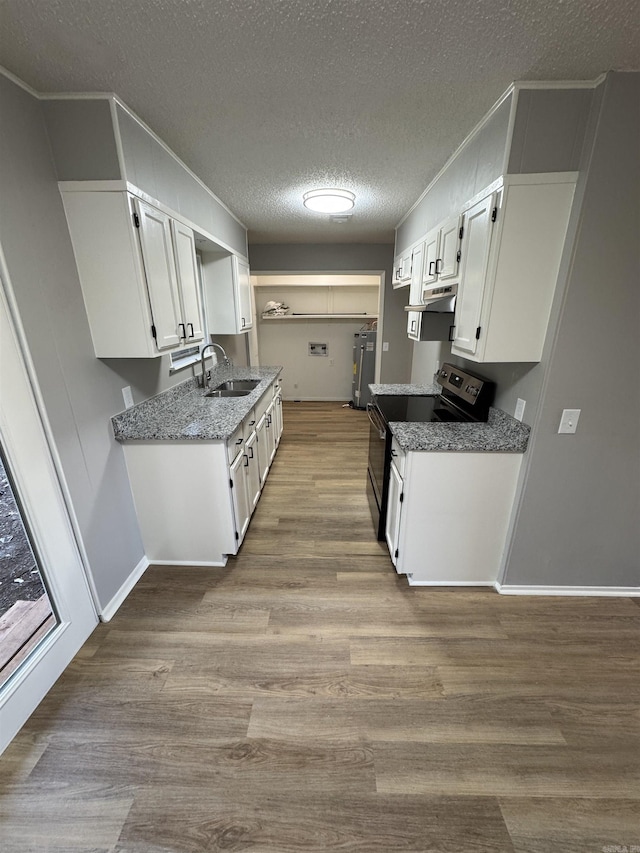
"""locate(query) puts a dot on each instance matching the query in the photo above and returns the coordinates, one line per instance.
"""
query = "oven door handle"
(376, 421)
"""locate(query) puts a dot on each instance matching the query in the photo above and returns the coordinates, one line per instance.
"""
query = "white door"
(415, 289)
(477, 239)
(160, 272)
(184, 246)
(24, 436)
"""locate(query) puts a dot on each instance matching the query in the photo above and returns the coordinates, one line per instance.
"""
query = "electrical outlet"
(127, 396)
(385, 346)
(569, 420)
(332, 362)
(519, 412)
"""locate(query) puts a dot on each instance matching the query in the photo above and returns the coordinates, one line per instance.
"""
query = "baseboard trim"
(601, 591)
(195, 563)
(450, 583)
(109, 611)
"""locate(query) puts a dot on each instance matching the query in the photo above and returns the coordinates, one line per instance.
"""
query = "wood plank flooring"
(304, 698)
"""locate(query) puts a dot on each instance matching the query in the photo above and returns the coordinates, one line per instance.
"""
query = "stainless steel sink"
(227, 392)
(238, 385)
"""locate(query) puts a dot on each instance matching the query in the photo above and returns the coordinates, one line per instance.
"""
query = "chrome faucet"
(227, 360)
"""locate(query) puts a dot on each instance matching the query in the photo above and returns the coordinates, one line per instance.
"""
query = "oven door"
(376, 469)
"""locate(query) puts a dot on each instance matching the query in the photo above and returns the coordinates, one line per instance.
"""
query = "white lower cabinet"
(252, 471)
(394, 507)
(447, 519)
(242, 508)
(194, 499)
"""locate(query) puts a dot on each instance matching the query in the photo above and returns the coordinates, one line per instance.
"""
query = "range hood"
(439, 300)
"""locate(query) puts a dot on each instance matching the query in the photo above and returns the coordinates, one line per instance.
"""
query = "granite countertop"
(500, 434)
(183, 413)
(414, 390)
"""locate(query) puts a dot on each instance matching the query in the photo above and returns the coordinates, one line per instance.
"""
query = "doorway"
(50, 632)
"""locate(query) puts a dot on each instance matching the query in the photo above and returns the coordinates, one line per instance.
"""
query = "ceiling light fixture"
(329, 200)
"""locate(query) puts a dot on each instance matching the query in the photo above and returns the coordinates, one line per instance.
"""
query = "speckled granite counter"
(416, 390)
(500, 434)
(183, 413)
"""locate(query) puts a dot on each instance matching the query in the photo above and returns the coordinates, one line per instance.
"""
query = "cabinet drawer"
(235, 442)
(399, 457)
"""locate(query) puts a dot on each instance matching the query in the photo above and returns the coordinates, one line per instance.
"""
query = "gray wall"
(82, 139)
(549, 129)
(577, 521)
(338, 257)
(150, 167)
(80, 392)
(475, 166)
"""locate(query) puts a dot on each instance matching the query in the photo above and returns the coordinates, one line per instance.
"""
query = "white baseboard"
(197, 564)
(109, 611)
(315, 400)
(449, 583)
(620, 591)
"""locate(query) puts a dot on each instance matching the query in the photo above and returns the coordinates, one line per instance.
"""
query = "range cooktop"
(412, 409)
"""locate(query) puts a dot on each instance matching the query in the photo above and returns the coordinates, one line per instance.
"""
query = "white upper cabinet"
(402, 270)
(137, 276)
(442, 253)
(160, 273)
(186, 267)
(478, 226)
(511, 252)
(227, 294)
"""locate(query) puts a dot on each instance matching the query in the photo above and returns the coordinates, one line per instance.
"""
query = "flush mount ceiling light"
(329, 201)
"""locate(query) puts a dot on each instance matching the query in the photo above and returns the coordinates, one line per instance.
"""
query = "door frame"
(37, 477)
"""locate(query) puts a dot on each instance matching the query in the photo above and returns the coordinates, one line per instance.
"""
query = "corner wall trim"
(609, 591)
(109, 611)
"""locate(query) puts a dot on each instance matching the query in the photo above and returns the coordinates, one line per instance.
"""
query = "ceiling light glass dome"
(329, 200)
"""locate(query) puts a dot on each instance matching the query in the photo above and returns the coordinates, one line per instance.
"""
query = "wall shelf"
(320, 316)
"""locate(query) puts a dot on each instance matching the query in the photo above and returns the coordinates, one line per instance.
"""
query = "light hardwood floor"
(305, 699)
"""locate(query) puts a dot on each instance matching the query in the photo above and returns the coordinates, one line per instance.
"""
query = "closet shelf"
(360, 316)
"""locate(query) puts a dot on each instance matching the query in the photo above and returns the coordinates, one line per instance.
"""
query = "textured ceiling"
(264, 99)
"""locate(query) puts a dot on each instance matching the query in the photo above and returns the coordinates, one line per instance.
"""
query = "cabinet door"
(187, 271)
(160, 272)
(447, 265)
(431, 246)
(252, 471)
(243, 294)
(277, 416)
(394, 509)
(478, 222)
(264, 459)
(270, 432)
(414, 321)
(241, 506)
(415, 291)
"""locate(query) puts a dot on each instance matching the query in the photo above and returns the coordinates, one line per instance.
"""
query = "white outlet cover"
(385, 346)
(519, 412)
(569, 421)
(127, 396)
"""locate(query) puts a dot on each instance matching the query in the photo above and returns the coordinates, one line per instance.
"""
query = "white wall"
(306, 377)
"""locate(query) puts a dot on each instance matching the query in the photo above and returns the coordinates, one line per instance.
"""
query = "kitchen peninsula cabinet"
(514, 236)
(197, 466)
(137, 270)
(453, 534)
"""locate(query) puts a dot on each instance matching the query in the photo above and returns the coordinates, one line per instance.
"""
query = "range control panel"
(464, 385)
